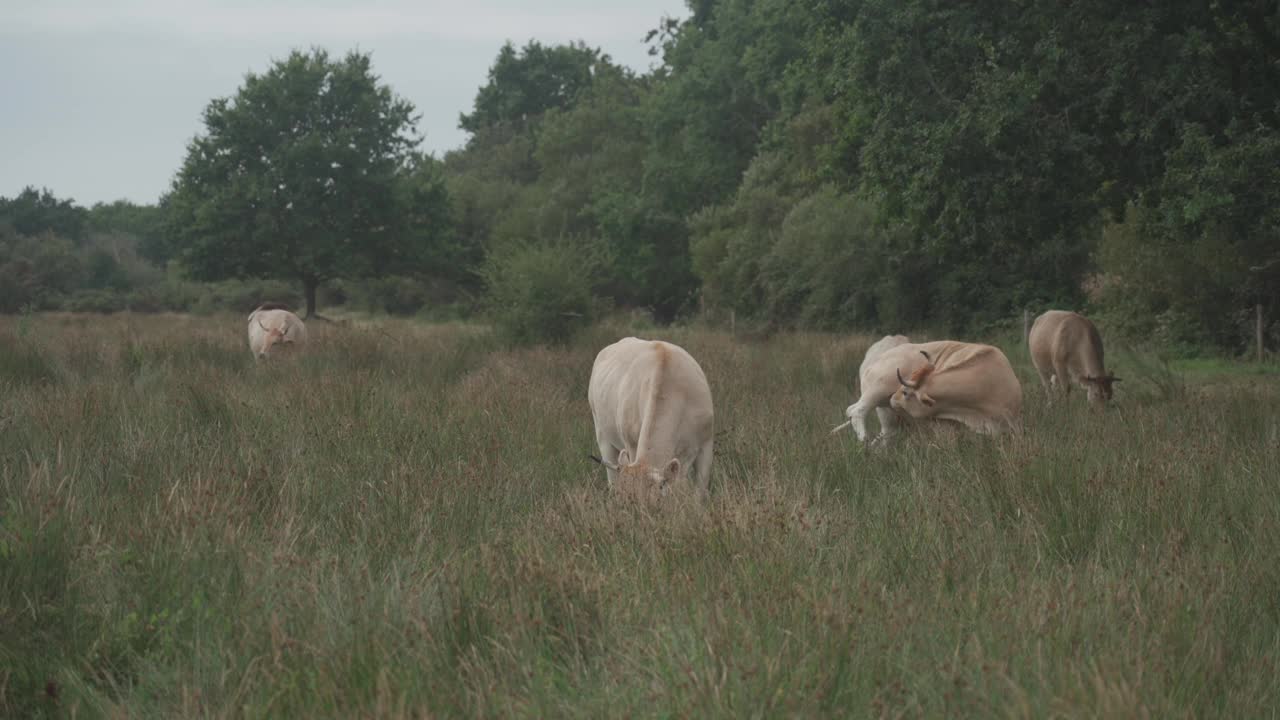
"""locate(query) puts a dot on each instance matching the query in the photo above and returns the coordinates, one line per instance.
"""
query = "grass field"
(402, 522)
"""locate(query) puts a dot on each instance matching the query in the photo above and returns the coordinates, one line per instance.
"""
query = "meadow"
(402, 522)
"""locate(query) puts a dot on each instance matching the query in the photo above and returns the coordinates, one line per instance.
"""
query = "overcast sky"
(98, 98)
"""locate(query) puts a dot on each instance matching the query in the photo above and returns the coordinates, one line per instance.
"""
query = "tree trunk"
(1258, 330)
(309, 285)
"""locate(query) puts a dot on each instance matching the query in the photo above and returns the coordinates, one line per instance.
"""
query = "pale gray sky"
(98, 98)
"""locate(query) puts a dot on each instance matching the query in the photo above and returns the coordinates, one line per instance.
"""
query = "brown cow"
(1066, 348)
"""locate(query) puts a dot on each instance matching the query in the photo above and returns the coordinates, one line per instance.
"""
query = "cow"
(653, 416)
(857, 413)
(969, 383)
(1066, 348)
(271, 326)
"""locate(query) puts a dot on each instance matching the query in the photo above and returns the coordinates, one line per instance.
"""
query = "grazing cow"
(651, 405)
(272, 326)
(1066, 348)
(969, 383)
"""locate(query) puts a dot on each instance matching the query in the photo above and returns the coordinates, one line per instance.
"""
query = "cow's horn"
(904, 382)
(609, 465)
(926, 356)
(264, 327)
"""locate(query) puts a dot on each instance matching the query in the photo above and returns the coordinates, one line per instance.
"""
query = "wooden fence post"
(1258, 329)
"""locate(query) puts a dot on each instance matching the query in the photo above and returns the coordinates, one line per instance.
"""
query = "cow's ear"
(924, 398)
(673, 468)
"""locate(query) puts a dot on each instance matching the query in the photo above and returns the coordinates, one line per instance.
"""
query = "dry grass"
(402, 522)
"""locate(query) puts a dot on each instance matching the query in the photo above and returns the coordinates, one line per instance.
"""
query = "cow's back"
(976, 381)
(1064, 339)
(633, 380)
(877, 351)
(1042, 341)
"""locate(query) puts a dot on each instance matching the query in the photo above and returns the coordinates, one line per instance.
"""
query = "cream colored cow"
(1066, 348)
(857, 413)
(272, 327)
(653, 416)
(969, 383)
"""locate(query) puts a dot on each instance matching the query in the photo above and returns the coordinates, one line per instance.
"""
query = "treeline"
(875, 164)
(55, 255)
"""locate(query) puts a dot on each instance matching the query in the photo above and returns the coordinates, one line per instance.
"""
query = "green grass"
(402, 522)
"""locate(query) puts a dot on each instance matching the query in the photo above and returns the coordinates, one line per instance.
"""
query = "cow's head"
(274, 335)
(641, 479)
(1099, 388)
(911, 398)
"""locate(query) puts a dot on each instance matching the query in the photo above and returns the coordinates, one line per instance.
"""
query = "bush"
(394, 295)
(831, 268)
(167, 296)
(541, 293)
(242, 296)
(35, 271)
(97, 301)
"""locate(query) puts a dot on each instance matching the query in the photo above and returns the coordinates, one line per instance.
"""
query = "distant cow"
(270, 327)
(653, 416)
(1066, 348)
(969, 383)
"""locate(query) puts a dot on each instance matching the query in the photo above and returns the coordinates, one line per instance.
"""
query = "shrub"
(242, 296)
(167, 296)
(34, 271)
(830, 267)
(99, 301)
(394, 295)
(541, 293)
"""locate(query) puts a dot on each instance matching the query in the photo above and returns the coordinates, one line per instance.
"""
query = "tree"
(34, 212)
(302, 175)
(144, 222)
(1002, 133)
(523, 85)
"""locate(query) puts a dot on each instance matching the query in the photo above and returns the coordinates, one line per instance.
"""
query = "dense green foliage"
(885, 164)
(34, 212)
(1003, 135)
(858, 164)
(402, 522)
(541, 292)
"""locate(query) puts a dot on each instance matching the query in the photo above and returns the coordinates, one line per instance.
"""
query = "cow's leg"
(857, 414)
(609, 454)
(1047, 381)
(702, 466)
(1063, 378)
(888, 424)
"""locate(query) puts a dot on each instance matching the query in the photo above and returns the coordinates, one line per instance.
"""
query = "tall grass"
(402, 522)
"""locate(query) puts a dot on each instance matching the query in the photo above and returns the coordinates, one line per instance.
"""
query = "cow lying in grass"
(271, 328)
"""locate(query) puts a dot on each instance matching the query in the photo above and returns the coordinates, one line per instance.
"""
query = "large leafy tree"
(143, 222)
(307, 173)
(525, 84)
